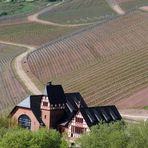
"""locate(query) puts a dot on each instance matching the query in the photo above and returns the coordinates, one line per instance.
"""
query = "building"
(66, 112)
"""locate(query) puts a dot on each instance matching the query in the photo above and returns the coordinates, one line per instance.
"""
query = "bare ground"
(138, 100)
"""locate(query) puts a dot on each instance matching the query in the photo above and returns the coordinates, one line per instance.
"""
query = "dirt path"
(134, 114)
(19, 69)
(144, 8)
(113, 4)
(34, 18)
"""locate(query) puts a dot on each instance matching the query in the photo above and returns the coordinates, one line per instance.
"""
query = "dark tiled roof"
(74, 100)
(73, 103)
(94, 115)
(55, 94)
(35, 102)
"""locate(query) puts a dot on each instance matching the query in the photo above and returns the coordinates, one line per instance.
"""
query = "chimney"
(49, 83)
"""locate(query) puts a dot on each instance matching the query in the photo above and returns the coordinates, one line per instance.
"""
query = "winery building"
(66, 112)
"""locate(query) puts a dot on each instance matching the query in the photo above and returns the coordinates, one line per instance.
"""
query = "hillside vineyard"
(11, 90)
(106, 62)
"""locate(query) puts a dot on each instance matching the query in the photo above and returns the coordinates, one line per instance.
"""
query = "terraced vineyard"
(32, 33)
(11, 91)
(106, 62)
(132, 4)
(79, 11)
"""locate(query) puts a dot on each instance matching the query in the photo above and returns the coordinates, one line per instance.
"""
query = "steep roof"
(33, 102)
(25, 103)
(55, 94)
(94, 115)
(74, 101)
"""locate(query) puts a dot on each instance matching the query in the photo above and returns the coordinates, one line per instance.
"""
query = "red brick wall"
(34, 122)
(46, 117)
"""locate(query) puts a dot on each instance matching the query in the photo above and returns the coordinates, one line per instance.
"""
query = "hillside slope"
(107, 62)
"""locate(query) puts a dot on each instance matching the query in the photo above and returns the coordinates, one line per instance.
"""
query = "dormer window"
(45, 103)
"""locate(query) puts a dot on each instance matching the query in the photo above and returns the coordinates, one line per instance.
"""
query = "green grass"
(146, 107)
(32, 33)
(133, 4)
(79, 11)
(12, 8)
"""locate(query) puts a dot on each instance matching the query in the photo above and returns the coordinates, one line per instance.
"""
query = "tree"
(138, 135)
(116, 135)
(104, 136)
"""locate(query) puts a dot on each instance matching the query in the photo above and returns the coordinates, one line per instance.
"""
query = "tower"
(52, 105)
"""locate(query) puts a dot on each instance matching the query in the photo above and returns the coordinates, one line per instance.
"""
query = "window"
(45, 117)
(24, 121)
(80, 120)
(77, 130)
(45, 103)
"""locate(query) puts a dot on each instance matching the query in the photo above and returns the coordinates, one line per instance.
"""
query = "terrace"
(105, 63)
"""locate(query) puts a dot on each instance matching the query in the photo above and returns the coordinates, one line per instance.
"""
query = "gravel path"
(134, 114)
(144, 8)
(19, 69)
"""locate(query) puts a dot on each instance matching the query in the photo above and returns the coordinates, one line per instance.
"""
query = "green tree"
(105, 136)
(138, 135)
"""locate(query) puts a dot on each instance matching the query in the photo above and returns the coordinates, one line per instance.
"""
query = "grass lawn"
(79, 11)
(146, 107)
(32, 33)
(11, 8)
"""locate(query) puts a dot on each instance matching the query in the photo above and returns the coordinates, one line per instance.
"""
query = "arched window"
(24, 121)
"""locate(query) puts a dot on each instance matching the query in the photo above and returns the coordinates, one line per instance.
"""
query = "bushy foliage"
(12, 136)
(116, 135)
(23, 138)
(138, 136)
(6, 122)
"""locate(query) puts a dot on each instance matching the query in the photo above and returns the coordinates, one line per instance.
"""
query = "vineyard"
(32, 33)
(106, 63)
(79, 11)
(132, 4)
(11, 91)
